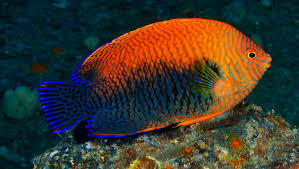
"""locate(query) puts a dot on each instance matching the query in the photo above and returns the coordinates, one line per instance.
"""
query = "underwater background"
(47, 40)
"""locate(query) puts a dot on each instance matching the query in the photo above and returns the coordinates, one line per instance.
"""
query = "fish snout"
(268, 61)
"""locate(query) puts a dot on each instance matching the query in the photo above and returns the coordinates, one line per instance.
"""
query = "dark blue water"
(47, 40)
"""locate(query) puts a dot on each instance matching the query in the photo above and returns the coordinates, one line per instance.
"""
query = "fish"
(169, 73)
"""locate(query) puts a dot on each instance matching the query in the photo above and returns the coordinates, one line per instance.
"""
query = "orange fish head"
(258, 56)
(256, 60)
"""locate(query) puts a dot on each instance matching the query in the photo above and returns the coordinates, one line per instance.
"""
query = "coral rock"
(238, 140)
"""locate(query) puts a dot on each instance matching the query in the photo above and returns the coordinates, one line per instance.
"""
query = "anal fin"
(198, 119)
(105, 123)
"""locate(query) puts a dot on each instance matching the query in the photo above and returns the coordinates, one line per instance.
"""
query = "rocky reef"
(246, 137)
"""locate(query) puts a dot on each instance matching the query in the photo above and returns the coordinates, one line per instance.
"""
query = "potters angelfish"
(175, 72)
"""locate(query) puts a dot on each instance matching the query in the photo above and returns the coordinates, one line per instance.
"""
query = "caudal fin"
(64, 104)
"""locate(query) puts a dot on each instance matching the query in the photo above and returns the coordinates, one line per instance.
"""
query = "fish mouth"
(267, 64)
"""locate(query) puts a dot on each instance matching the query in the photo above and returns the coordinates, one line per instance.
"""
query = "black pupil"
(251, 55)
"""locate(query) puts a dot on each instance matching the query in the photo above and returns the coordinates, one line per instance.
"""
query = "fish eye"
(251, 55)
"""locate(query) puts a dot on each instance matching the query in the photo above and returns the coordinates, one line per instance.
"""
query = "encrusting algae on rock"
(254, 140)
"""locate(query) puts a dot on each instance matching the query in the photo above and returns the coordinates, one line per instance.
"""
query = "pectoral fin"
(205, 77)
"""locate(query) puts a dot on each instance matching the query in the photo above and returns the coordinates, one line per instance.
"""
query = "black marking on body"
(156, 92)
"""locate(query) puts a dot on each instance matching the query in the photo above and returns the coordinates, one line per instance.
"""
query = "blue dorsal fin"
(79, 78)
(87, 71)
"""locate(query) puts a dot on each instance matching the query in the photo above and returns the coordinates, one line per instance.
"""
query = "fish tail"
(64, 104)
